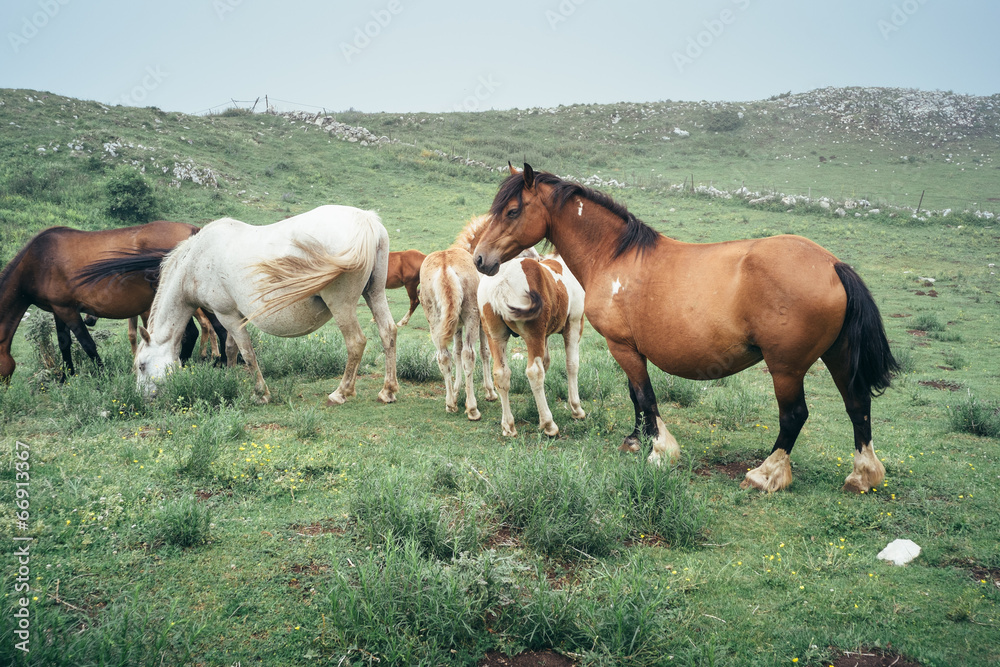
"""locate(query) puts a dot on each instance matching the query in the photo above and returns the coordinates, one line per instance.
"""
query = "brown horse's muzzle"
(487, 265)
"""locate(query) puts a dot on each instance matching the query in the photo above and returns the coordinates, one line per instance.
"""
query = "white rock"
(900, 552)
(841, 212)
(681, 133)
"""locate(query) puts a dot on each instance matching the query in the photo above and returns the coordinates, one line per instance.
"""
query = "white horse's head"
(153, 361)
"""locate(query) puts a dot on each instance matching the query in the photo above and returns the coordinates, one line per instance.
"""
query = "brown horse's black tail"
(871, 362)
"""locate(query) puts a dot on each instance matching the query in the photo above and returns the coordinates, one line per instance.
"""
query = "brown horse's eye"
(513, 213)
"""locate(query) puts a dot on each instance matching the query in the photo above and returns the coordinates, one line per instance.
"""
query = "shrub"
(416, 362)
(182, 523)
(723, 120)
(658, 501)
(976, 417)
(927, 322)
(552, 503)
(129, 196)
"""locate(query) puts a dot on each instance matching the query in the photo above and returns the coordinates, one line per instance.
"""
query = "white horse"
(533, 299)
(289, 278)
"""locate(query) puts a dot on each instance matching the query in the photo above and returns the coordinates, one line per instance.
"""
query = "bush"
(416, 362)
(129, 197)
(976, 417)
(182, 522)
(723, 120)
(658, 501)
(927, 322)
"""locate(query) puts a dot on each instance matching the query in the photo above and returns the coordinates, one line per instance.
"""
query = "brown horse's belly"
(705, 364)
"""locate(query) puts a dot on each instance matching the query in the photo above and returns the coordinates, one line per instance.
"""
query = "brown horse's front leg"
(647, 414)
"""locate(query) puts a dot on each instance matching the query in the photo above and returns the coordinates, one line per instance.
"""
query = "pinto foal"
(533, 299)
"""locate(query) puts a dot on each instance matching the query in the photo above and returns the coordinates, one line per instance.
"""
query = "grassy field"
(202, 529)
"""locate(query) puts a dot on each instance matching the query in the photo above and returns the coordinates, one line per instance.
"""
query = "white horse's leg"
(484, 350)
(444, 363)
(571, 339)
(470, 333)
(345, 315)
(239, 337)
(537, 354)
(501, 376)
(377, 303)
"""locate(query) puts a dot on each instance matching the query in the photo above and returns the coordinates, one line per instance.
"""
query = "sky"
(196, 56)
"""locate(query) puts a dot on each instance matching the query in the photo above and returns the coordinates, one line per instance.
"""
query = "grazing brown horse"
(705, 311)
(404, 271)
(448, 284)
(533, 299)
(46, 272)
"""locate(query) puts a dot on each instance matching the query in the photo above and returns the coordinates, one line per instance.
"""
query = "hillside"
(880, 146)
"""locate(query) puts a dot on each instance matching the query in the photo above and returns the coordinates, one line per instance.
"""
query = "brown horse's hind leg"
(775, 473)
(647, 414)
(868, 470)
(411, 291)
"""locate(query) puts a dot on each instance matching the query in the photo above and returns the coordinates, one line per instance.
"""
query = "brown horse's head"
(519, 218)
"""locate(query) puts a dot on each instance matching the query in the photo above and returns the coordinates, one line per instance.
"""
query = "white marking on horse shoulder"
(579, 211)
(616, 286)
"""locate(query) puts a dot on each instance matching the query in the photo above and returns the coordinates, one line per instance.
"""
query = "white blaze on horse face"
(579, 211)
(616, 286)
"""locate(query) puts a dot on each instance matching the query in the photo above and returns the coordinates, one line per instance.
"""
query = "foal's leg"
(465, 350)
(868, 470)
(501, 376)
(443, 358)
(537, 364)
(345, 314)
(775, 473)
(133, 327)
(377, 303)
(571, 339)
(484, 352)
(411, 291)
(644, 402)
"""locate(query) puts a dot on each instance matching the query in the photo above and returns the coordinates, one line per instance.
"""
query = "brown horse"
(448, 284)
(46, 271)
(404, 271)
(705, 311)
(533, 298)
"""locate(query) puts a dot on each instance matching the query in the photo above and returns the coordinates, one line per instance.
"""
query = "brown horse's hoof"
(631, 445)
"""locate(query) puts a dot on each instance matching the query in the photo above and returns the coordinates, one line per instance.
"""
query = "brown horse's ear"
(529, 176)
(143, 334)
(513, 170)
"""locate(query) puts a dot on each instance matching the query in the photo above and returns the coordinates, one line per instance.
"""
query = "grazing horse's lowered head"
(153, 362)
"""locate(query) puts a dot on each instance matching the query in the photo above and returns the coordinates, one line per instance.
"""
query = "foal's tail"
(290, 278)
(871, 362)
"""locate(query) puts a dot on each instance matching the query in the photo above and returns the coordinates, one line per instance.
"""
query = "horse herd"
(699, 311)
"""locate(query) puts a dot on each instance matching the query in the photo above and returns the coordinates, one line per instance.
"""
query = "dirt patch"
(919, 333)
(932, 293)
(920, 293)
(941, 384)
(205, 494)
(267, 427)
(326, 526)
(647, 541)
(899, 315)
(946, 368)
(732, 470)
(986, 575)
(872, 658)
(526, 659)
(502, 538)
(311, 568)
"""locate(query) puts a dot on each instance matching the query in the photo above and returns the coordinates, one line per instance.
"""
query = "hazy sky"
(443, 55)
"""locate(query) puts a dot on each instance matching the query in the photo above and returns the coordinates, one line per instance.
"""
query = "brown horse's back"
(404, 267)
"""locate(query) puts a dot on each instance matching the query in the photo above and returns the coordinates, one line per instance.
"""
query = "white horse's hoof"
(551, 429)
(474, 415)
(386, 396)
(508, 431)
(336, 398)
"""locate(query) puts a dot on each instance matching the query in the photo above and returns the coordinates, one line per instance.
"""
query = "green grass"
(202, 528)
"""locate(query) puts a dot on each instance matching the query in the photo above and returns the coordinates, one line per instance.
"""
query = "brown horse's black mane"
(636, 235)
(122, 263)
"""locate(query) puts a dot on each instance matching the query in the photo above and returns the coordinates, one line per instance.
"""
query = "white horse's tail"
(290, 279)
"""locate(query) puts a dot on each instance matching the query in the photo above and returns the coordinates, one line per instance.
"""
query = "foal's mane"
(635, 235)
(470, 233)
